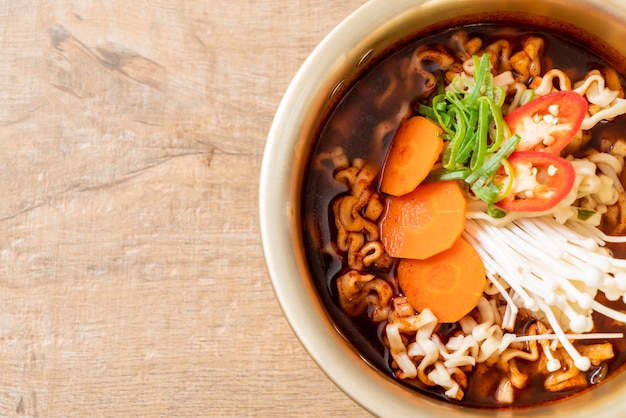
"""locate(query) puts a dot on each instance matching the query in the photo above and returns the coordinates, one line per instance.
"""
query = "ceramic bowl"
(368, 32)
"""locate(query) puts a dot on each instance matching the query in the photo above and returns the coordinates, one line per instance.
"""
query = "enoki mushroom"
(554, 270)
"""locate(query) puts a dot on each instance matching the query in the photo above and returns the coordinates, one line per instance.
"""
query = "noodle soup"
(533, 336)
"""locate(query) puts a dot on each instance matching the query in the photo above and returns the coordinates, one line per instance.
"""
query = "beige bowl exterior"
(371, 29)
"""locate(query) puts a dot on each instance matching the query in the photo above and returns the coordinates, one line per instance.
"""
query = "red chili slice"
(541, 181)
(548, 123)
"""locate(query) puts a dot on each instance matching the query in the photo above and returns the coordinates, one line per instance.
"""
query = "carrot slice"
(450, 283)
(414, 150)
(424, 222)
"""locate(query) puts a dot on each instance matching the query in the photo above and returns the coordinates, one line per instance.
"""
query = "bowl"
(335, 63)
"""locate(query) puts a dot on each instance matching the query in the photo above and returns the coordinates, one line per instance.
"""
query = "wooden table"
(132, 278)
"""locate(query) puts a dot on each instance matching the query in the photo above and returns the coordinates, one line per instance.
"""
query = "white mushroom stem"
(553, 269)
(582, 363)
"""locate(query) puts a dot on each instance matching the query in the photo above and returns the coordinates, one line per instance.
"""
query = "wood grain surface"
(132, 279)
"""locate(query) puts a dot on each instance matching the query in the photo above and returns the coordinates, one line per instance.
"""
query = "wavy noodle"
(547, 84)
(393, 84)
(425, 356)
(463, 46)
(500, 54)
(617, 216)
(568, 378)
(335, 156)
(617, 108)
(359, 291)
(593, 87)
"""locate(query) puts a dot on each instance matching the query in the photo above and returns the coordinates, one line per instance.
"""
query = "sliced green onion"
(487, 193)
(452, 149)
(442, 174)
(584, 214)
(466, 148)
(427, 111)
(499, 96)
(492, 165)
(477, 139)
(482, 68)
(526, 96)
(505, 188)
(488, 89)
(495, 212)
(480, 150)
(500, 128)
(462, 85)
(469, 141)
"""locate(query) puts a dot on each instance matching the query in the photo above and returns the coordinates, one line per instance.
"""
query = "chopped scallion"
(477, 137)
(584, 214)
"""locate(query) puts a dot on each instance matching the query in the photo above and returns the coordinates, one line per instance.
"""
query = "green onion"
(487, 193)
(495, 212)
(452, 148)
(477, 139)
(499, 96)
(505, 188)
(480, 150)
(442, 174)
(482, 69)
(466, 147)
(500, 128)
(584, 214)
(492, 165)
(527, 96)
